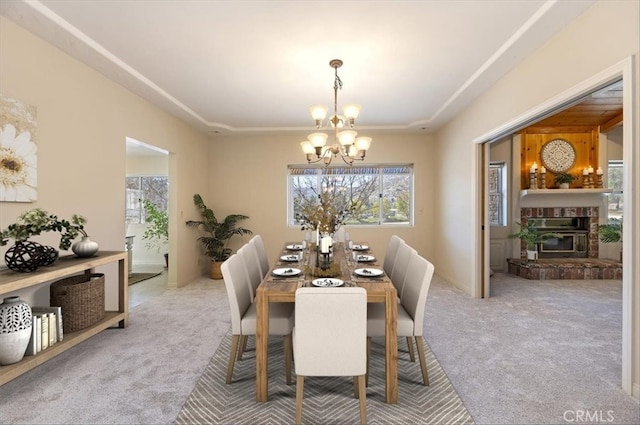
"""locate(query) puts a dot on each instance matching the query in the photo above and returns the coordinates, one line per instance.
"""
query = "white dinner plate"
(291, 271)
(292, 257)
(327, 282)
(359, 247)
(366, 258)
(369, 272)
(295, 247)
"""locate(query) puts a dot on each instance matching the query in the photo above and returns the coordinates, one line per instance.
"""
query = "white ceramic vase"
(85, 247)
(15, 330)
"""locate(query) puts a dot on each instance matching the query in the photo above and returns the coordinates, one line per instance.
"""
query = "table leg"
(262, 342)
(391, 343)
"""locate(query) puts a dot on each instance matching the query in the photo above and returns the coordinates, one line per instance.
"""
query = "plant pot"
(532, 255)
(563, 185)
(15, 330)
(216, 272)
(85, 247)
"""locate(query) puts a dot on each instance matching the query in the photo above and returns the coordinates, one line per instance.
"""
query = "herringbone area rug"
(326, 400)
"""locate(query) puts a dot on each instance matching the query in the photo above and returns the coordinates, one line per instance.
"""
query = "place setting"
(293, 258)
(295, 247)
(286, 272)
(359, 247)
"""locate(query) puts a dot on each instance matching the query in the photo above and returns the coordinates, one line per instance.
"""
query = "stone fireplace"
(577, 225)
(575, 214)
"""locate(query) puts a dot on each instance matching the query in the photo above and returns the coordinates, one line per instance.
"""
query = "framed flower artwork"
(18, 151)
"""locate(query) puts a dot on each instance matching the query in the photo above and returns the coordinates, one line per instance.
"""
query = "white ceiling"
(238, 67)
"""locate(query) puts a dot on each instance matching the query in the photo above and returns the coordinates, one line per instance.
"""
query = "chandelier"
(345, 143)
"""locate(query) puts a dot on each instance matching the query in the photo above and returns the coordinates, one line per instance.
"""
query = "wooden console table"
(11, 281)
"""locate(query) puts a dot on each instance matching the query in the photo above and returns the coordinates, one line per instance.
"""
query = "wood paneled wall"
(584, 141)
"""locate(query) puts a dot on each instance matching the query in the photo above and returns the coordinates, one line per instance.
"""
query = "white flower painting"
(18, 159)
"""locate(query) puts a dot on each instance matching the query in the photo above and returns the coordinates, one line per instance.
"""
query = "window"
(614, 182)
(152, 188)
(497, 194)
(380, 194)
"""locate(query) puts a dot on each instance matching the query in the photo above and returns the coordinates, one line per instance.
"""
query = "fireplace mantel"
(562, 197)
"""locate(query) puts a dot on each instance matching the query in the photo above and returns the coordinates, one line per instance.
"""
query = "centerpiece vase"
(15, 330)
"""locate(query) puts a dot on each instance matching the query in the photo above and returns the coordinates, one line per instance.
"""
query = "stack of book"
(46, 329)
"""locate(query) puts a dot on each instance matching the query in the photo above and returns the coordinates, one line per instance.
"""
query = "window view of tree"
(497, 194)
(151, 188)
(377, 195)
(614, 182)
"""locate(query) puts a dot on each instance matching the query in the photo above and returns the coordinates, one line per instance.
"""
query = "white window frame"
(291, 222)
(501, 193)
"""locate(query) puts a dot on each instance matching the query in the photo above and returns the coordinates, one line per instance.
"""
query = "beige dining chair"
(330, 338)
(390, 254)
(419, 273)
(243, 314)
(252, 268)
(398, 274)
(263, 258)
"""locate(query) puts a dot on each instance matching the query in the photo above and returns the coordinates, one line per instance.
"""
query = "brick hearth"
(565, 268)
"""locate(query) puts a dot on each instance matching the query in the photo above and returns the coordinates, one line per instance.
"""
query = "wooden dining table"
(279, 289)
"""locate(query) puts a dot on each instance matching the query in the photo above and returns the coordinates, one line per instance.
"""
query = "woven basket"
(81, 298)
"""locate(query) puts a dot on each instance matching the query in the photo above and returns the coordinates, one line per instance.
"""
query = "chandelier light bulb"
(307, 147)
(318, 140)
(318, 113)
(347, 137)
(363, 143)
(351, 112)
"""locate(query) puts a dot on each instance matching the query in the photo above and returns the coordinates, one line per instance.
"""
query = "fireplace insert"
(574, 240)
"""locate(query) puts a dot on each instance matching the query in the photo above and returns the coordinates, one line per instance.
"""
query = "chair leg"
(235, 340)
(366, 378)
(356, 390)
(288, 354)
(423, 359)
(299, 396)
(363, 399)
(412, 355)
(243, 346)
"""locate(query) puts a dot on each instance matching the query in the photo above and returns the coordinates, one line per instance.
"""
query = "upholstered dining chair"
(330, 338)
(390, 254)
(250, 260)
(399, 271)
(243, 314)
(410, 310)
(263, 258)
(252, 267)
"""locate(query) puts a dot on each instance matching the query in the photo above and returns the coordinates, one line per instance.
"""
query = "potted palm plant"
(611, 232)
(532, 237)
(564, 179)
(216, 234)
(157, 231)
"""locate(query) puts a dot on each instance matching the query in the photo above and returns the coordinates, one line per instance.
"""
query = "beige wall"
(249, 176)
(579, 52)
(83, 120)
